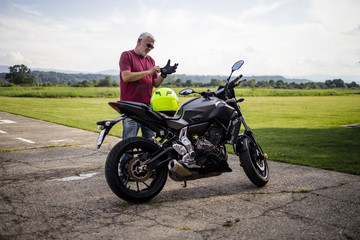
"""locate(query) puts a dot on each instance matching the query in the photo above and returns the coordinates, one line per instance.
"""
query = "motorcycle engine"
(210, 140)
(204, 144)
(203, 152)
(214, 134)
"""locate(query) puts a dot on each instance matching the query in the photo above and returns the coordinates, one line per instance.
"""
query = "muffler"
(178, 172)
(178, 169)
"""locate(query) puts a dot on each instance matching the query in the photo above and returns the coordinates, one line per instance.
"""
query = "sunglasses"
(150, 46)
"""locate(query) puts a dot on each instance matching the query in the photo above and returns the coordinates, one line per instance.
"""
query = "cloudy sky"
(275, 37)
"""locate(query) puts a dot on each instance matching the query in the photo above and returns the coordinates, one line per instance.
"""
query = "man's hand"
(129, 76)
(154, 69)
(168, 69)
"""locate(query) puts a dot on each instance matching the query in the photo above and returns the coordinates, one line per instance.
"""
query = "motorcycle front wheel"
(255, 168)
(126, 179)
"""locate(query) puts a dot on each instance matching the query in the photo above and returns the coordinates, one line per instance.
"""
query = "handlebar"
(227, 91)
(236, 81)
(238, 78)
(237, 84)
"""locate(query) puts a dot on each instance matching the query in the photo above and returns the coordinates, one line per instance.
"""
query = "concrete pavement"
(53, 187)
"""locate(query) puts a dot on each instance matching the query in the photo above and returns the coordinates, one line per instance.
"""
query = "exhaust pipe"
(178, 170)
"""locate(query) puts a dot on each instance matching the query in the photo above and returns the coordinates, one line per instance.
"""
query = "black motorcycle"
(189, 145)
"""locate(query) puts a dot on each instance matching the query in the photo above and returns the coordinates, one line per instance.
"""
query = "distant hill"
(4, 69)
(207, 78)
(276, 78)
(199, 78)
(109, 72)
(324, 77)
(64, 76)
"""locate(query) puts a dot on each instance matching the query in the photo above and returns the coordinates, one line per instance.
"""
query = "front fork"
(241, 145)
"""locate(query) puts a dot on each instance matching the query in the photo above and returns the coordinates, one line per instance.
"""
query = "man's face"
(145, 46)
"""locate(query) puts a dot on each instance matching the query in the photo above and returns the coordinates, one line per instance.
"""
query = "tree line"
(21, 75)
(279, 84)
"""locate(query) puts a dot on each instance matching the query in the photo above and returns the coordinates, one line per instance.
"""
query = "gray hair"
(145, 35)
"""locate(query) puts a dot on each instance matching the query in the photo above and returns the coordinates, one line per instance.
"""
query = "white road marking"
(25, 140)
(74, 178)
(6, 121)
(3, 132)
(60, 140)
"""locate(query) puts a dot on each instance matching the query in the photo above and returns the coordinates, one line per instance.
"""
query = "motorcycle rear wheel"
(123, 175)
(255, 168)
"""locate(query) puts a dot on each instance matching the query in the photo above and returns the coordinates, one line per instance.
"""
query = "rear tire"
(256, 169)
(122, 174)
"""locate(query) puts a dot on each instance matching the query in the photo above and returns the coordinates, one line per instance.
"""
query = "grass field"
(60, 92)
(299, 130)
(110, 92)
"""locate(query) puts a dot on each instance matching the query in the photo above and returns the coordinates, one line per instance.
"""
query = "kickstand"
(184, 186)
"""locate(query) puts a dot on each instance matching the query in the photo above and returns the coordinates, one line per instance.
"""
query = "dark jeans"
(131, 129)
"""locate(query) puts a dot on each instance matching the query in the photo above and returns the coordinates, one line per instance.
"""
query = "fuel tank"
(201, 110)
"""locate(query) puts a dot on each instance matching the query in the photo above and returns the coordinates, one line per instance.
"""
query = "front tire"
(255, 168)
(123, 175)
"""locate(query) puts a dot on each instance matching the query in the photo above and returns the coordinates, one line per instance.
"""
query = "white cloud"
(284, 37)
(261, 9)
(14, 58)
(337, 16)
(30, 9)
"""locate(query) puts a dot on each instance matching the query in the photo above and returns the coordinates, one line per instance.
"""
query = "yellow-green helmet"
(164, 100)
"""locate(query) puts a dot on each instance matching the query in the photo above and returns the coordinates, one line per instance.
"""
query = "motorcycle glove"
(168, 69)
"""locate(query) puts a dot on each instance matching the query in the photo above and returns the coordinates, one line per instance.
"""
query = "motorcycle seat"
(164, 116)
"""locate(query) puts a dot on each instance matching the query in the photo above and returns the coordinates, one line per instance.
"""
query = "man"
(138, 76)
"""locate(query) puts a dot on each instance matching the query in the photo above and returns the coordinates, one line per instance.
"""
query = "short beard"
(144, 53)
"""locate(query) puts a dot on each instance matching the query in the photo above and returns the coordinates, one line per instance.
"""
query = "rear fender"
(105, 127)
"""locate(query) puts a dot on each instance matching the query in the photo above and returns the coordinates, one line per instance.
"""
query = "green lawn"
(114, 92)
(60, 92)
(301, 130)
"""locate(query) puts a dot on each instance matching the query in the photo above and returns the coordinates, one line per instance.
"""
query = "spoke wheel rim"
(128, 173)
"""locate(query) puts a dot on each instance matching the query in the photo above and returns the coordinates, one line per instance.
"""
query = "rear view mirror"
(186, 91)
(237, 65)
